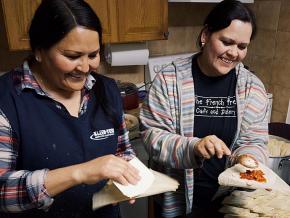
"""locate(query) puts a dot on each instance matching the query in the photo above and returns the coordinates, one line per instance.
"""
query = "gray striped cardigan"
(167, 117)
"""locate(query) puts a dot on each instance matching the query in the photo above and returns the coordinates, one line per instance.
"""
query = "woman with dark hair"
(202, 110)
(62, 130)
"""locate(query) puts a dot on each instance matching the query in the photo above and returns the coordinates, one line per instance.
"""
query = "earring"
(202, 44)
(37, 58)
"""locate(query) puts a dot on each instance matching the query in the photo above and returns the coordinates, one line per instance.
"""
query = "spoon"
(248, 161)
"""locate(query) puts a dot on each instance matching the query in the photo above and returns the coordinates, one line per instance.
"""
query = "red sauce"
(256, 175)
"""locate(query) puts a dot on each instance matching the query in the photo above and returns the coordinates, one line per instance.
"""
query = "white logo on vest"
(102, 134)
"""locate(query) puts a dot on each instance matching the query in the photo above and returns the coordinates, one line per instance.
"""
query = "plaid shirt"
(22, 189)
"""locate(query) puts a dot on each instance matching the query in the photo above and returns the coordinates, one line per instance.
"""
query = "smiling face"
(224, 49)
(66, 65)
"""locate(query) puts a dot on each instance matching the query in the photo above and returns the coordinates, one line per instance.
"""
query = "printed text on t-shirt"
(215, 106)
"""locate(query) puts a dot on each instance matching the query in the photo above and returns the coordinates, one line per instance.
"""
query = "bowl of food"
(132, 125)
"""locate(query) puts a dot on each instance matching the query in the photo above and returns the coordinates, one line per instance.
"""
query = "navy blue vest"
(50, 138)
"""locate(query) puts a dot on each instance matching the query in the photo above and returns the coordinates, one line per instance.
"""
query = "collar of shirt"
(24, 79)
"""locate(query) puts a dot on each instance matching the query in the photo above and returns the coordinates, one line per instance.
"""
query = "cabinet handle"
(166, 34)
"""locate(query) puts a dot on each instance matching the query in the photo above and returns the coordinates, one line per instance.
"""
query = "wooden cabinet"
(17, 16)
(107, 12)
(122, 20)
(132, 20)
(142, 20)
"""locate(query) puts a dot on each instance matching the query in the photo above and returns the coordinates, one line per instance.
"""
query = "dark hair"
(54, 19)
(224, 13)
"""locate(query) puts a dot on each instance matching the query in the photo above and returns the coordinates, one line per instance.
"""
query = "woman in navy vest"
(62, 130)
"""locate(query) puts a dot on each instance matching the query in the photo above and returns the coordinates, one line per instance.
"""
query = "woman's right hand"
(211, 145)
(106, 167)
(91, 172)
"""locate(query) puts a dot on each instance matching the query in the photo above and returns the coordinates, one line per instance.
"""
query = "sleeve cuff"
(37, 190)
(196, 161)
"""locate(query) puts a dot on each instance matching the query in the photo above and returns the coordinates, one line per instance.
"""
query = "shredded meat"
(256, 175)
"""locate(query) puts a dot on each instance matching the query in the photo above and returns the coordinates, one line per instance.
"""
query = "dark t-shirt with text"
(215, 114)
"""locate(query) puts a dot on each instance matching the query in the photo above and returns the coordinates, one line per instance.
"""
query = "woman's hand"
(91, 172)
(210, 146)
(107, 167)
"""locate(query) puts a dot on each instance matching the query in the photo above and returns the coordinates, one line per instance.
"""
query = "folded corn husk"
(278, 147)
(262, 203)
(110, 194)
